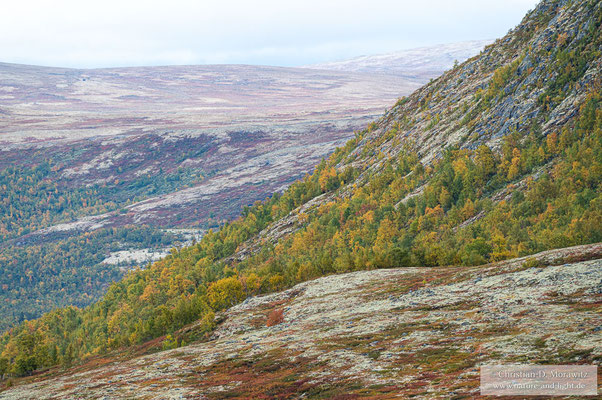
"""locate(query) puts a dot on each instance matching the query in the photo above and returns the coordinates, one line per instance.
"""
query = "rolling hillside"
(104, 170)
(501, 157)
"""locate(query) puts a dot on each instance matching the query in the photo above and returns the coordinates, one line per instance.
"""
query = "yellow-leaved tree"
(225, 293)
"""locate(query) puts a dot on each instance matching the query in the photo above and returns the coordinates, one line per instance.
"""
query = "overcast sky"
(102, 33)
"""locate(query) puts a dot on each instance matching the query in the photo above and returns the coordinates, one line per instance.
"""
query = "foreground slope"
(375, 334)
(499, 158)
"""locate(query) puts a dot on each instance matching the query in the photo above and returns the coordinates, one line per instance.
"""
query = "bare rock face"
(420, 332)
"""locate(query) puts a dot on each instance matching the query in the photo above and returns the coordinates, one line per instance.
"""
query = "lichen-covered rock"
(420, 332)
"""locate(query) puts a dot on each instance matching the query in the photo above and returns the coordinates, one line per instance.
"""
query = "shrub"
(533, 263)
(169, 343)
(275, 317)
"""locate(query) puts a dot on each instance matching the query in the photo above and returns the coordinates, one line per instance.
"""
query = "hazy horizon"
(358, 56)
(108, 34)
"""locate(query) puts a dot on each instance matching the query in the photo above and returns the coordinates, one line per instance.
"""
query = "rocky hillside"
(499, 158)
(533, 79)
(409, 332)
(529, 86)
(86, 155)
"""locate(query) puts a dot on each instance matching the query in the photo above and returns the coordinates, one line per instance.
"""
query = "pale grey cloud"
(279, 32)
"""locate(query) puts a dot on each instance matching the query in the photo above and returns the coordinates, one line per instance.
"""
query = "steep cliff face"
(397, 333)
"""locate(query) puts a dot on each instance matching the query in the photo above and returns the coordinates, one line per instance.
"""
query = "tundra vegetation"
(536, 188)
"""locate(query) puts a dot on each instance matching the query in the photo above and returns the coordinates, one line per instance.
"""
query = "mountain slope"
(88, 156)
(368, 334)
(107, 169)
(498, 158)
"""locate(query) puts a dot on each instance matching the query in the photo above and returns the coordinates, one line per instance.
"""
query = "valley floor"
(398, 333)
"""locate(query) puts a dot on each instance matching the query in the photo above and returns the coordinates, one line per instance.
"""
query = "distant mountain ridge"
(418, 63)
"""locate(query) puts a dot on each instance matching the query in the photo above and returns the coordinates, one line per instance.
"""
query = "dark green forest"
(41, 273)
(72, 267)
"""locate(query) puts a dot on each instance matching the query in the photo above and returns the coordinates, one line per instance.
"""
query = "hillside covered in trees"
(501, 157)
(87, 156)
